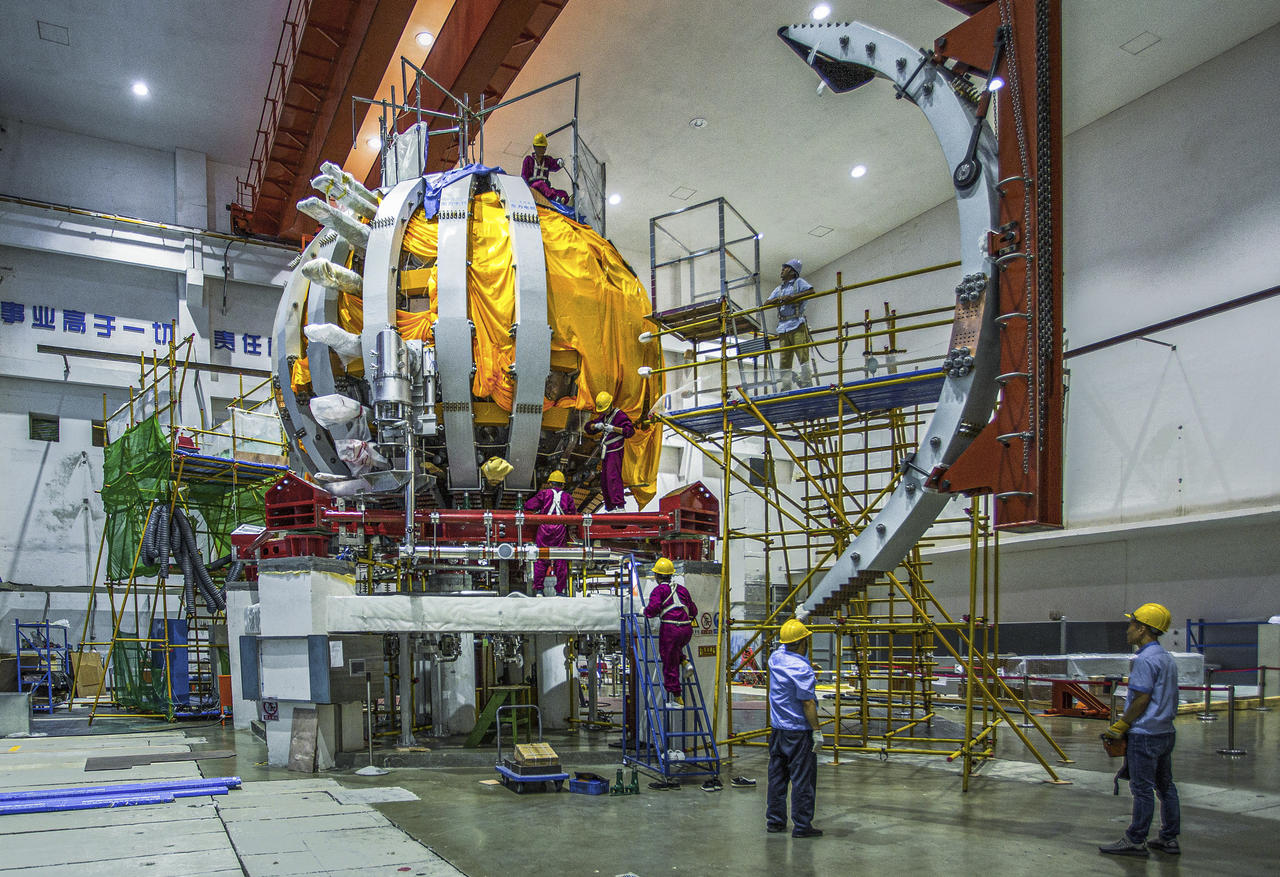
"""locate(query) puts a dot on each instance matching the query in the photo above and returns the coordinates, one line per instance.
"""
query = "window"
(99, 430)
(42, 427)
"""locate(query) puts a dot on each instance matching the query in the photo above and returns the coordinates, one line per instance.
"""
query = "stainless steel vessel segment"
(310, 446)
(454, 356)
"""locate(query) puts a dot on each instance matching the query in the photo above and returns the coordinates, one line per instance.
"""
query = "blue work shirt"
(791, 681)
(1155, 673)
(790, 313)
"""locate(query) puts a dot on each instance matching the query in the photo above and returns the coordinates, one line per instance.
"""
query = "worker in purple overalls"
(551, 500)
(615, 428)
(677, 614)
(537, 169)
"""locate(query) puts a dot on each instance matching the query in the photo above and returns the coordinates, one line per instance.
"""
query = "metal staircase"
(675, 742)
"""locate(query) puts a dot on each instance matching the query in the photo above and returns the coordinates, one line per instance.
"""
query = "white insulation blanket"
(434, 614)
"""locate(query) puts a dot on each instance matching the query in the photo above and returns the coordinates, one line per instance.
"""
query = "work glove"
(1118, 730)
(592, 427)
(817, 739)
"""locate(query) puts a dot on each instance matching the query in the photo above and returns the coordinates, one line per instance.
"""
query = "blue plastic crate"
(589, 787)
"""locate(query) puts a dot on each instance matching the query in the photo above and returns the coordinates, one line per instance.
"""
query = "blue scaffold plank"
(815, 403)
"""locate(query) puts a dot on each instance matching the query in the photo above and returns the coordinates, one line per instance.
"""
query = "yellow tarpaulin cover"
(596, 307)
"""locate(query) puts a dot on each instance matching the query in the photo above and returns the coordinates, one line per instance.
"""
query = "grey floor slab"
(174, 864)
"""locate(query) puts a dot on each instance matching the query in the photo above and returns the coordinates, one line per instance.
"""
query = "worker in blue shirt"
(792, 327)
(793, 717)
(1148, 724)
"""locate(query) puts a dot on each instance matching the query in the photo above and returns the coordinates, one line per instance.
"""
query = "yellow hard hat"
(1153, 615)
(664, 567)
(540, 140)
(556, 477)
(793, 631)
(603, 400)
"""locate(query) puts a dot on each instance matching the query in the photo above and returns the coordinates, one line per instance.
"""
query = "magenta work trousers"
(540, 575)
(672, 638)
(611, 481)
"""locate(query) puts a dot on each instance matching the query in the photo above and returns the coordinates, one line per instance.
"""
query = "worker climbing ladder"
(672, 740)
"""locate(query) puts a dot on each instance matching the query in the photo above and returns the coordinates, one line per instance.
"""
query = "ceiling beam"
(357, 40)
(482, 45)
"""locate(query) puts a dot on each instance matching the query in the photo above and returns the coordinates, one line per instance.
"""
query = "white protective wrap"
(438, 614)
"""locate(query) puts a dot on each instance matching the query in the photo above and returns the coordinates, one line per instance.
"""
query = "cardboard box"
(89, 673)
(536, 754)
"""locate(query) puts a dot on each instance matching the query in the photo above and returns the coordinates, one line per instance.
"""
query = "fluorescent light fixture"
(995, 84)
(615, 198)
(859, 170)
(374, 142)
(425, 38)
(820, 12)
(140, 89)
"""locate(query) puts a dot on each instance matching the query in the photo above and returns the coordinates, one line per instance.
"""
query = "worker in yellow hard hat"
(674, 608)
(537, 170)
(615, 428)
(1147, 723)
(551, 500)
(794, 734)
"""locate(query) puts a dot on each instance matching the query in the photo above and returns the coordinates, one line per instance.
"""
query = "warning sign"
(270, 711)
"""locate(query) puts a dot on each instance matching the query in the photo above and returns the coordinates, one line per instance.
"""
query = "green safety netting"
(137, 473)
(138, 680)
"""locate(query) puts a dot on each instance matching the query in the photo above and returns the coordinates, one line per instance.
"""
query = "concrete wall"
(135, 279)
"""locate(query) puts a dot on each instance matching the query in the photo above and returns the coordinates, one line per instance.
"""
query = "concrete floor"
(904, 813)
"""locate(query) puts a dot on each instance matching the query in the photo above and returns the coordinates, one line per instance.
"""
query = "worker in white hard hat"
(794, 734)
(792, 328)
(537, 170)
(671, 604)
(1147, 725)
(551, 500)
(615, 428)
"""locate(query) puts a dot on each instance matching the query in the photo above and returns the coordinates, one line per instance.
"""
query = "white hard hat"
(793, 264)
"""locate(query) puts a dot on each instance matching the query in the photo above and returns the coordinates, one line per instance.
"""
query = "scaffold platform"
(816, 403)
(195, 466)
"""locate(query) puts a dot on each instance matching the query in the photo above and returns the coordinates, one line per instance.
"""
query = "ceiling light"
(995, 84)
(374, 142)
(425, 38)
(859, 170)
(820, 12)
(615, 198)
(140, 89)
(698, 122)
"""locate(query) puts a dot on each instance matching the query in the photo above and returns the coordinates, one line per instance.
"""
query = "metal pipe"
(1261, 706)
(479, 516)
(1231, 751)
(1207, 716)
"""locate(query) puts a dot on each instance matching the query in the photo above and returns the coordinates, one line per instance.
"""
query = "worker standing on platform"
(792, 328)
(537, 169)
(793, 717)
(673, 607)
(1147, 723)
(615, 428)
(551, 500)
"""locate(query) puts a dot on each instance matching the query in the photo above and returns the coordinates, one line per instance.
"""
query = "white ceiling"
(778, 151)
(206, 63)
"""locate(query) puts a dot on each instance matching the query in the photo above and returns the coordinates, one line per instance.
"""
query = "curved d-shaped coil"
(846, 56)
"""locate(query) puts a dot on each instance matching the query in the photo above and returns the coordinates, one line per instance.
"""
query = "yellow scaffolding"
(846, 441)
(149, 664)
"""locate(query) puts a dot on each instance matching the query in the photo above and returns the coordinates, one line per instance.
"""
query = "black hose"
(164, 539)
(237, 570)
(149, 547)
(220, 562)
